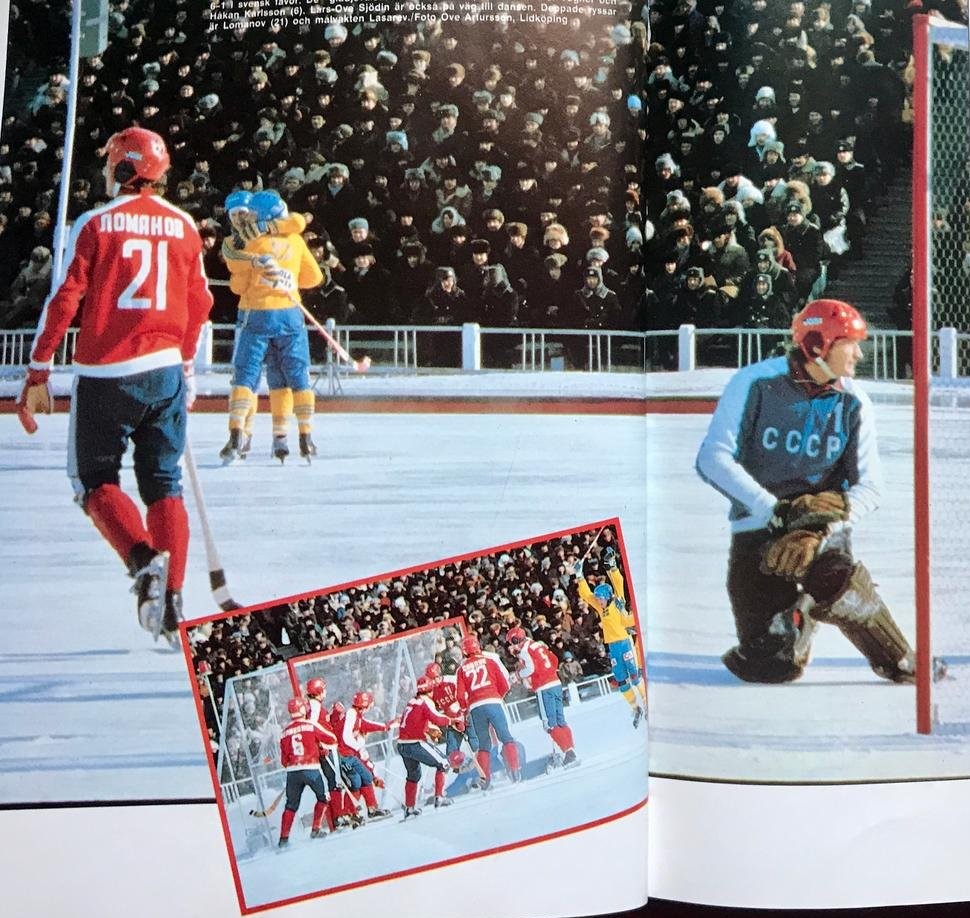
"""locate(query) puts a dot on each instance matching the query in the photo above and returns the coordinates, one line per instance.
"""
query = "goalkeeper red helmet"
(822, 322)
(470, 646)
(296, 707)
(135, 153)
(363, 700)
(316, 686)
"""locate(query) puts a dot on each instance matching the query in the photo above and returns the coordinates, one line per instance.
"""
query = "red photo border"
(186, 626)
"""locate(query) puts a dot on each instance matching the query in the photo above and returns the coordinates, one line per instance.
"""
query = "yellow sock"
(631, 698)
(304, 404)
(281, 407)
(242, 401)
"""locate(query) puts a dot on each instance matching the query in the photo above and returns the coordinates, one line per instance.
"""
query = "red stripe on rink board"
(591, 405)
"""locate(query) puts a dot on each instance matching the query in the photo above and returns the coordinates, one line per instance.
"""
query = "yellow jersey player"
(608, 601)
(267, 274)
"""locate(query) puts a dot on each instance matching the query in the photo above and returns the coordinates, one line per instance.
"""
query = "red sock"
(410, 792)
(168, 524)
(511, 755)
(318, 812)
(562, 737)
(286, 823)
(369, 797)
(485, 761)
(439, 784)
(117, 518)
(328, 815)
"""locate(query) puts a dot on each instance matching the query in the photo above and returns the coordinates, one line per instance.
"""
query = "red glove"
(34, 398)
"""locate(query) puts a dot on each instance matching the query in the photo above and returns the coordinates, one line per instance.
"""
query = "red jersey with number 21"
(136, 264)
(481, 679)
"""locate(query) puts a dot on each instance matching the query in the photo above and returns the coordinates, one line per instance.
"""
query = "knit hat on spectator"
(765, 92)
(634, 237)
(386, 59)
(598, 253)
(517, 229)
(398, 137)
(556, 260)
(335, 30)
(599, 118)
(634, 103)
(358, 223)
(569, 55)
(443, 272)
(535, 118)
(555, 232)
(340, 169)
(823, 167)
(482, 97)
(776, 146)
(413, 175)
(447, 111)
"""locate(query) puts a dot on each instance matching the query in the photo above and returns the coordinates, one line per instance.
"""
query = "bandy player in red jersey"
(445, 697)
(135, 264)
(302, 744)
(420, 720)
(355, 765)
(341, 811)
(482, 682)
(538, 669)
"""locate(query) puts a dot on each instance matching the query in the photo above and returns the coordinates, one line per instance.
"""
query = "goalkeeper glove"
(34, 398)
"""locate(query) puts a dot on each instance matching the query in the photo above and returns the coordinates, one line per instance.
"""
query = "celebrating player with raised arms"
(608, 601)
(538, 668)
(482, 682)
(268, 274)
(792, 445)
(303, 744)
(420, 722)
(135, 265)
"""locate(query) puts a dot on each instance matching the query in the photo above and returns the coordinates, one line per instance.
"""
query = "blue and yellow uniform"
(268, 275)
(617, 625)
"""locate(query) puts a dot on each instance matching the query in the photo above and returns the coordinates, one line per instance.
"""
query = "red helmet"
(296, 707)
(316, 687)
(338, 710)
(515, 636)
(822, 322)
(135, 153)
(456, 758)
(470, 646)
(425, 685)
(433, 671)
(363, 700)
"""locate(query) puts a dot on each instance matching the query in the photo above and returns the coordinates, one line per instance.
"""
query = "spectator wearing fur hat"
(807, 247)
(555, 239)
(412, 277)
(453, 191)
(600, 136)
(369, 289)
(444, 302)
(520, 257)
(414, 194)
(493, 228)
(525, 205)
(726, 261)
(760, 307)
(595, 304)
(735, 216)
(498, 304)
(549, 295)
(471, 274)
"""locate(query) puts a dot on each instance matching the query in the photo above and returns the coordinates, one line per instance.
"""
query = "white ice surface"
(611, 778)
(91, 709)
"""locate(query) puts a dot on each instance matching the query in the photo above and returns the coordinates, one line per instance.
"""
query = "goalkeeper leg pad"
(780, 655)
(860, 614)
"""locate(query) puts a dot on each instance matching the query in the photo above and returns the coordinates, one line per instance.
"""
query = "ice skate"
(318, 833)
(246, 446)
(171, 617)
(233, 448)
(441, 801)
(410, 811)
(553, 762)
(637, 717)
(280, 448)
(284, 842)
(377, 813)
(570, 760)
(308, 449)
(150, 570)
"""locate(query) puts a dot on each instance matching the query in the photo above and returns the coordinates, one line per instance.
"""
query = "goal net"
(388, 668)
(941, 371)
(254, 714)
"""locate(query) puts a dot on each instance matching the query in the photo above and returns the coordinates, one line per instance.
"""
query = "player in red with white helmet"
(420, 722)
(302, 745)
(341, 810)
(482, 682)
(351, 726)
(135, 265)
(538, 668)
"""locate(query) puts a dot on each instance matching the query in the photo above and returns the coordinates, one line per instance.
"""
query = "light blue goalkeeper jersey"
(774, 436)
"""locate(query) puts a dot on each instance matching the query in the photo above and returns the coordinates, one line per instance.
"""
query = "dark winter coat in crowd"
(760, 307)
(442, 307)
(598, 306)
(370, 294)
(498, 303)
(808, 248)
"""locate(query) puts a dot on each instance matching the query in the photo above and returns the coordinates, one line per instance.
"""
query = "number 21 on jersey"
(145, 256)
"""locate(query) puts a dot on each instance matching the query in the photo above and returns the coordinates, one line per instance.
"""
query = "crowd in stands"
(450, 172)
(531, 586)
(773, 130)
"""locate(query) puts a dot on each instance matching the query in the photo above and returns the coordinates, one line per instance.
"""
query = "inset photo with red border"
(424, 717)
